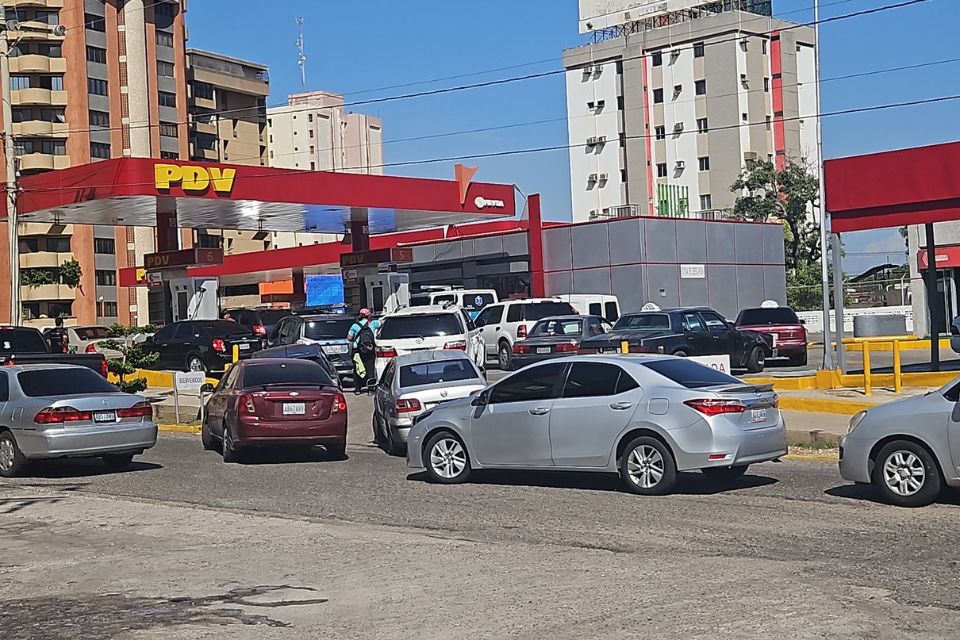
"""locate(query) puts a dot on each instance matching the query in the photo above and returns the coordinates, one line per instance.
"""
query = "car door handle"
(621, 406)
(539, 411)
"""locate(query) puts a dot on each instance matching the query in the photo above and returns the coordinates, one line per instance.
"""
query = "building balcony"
(37, 96)
(39, 4)
(202, 153)
(43, 259)
(207, 127)
(38, 31)
(43, 162)
(45, 229)
(204, 103)
(32, 63)
(46, 292)
(32, 128)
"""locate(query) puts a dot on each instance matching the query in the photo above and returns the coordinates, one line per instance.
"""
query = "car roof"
(530, 300)
(430, 356)
(263, 362)
(45, 367)
(569, 316)
(431, 309)
(326, 316)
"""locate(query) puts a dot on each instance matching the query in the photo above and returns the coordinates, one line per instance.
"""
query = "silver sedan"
(415, 383)
(644, 417)
(61, 411)
(908, 449)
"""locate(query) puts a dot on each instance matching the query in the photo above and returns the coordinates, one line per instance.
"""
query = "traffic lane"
(794, 510)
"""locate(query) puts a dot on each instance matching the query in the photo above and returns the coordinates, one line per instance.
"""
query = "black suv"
(201, 345)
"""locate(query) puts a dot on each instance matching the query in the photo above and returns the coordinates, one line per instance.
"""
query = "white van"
(473, 301)
(594, 304)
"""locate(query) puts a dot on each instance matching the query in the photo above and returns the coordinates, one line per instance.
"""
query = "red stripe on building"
(646, 124)
(776, 70)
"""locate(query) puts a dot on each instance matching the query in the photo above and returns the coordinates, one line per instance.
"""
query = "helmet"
(364, 313)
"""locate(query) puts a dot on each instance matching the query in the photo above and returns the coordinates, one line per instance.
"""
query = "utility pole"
(11, 182)
(301, 56)
(824, 268)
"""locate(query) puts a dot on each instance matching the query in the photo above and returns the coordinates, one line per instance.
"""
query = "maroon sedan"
(280, 402)
(790, 337)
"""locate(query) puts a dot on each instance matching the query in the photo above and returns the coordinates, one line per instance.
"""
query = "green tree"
(70, 273)
(133, 358)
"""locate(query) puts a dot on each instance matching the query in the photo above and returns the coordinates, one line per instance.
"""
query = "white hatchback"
(416, 329)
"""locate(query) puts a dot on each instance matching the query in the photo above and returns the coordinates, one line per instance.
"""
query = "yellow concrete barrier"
(155, 379)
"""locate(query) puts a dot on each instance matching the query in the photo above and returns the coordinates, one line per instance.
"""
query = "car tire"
(904, 457)
(647, 467)
(337, 451)
(505, 356)
(725, 474)
(12, 461)
(757, 360)
(378, 437)
(229, 448)
(394, 448)
(446, 459)
(206, 438)
(117, 461)
(680, 353)
(195, 364)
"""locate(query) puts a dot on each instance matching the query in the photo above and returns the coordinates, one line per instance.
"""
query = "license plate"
(336, 348)
(758, 415)
(610, 350)
(543, 349)
(105, 416)
(294, 408)
(244, 346)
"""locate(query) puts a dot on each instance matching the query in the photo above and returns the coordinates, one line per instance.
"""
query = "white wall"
(679, 71)
(814, 319)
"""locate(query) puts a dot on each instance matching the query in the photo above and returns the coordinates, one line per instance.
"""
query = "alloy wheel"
(645, 466)
(448, 458)
(195, 365)
(7, 455)
(904, 473)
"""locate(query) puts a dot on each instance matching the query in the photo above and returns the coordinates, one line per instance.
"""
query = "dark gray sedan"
(555, 337)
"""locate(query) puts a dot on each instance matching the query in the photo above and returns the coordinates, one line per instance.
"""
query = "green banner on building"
(673, 200)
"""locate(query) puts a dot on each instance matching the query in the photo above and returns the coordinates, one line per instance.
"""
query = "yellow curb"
(823, 405)
(178, 428)
(811, 457)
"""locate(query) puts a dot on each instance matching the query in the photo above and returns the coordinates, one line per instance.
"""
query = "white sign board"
(720, 363)
(600, 14)
(189, 381)
(693, 271)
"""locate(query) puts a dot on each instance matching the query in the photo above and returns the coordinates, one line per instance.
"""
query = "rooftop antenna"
(301, 56)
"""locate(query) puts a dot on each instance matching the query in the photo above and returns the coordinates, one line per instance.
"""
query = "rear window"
(474, 301)
(220, 328)
(546, 328)
(420, 300)
(93, 333)
(644, 321)
(332, 329)
(690, 374)
(425, 326)
(22, 340)
(304, 372)
(47, 383)
(273, 316)
(753, 317)
(415, 375)
(541, 310)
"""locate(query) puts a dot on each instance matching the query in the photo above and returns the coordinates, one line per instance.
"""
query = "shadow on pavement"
(867, 493)
(268, 455)
(82, 467)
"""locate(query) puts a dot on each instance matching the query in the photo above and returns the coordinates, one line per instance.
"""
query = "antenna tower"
(301, 56)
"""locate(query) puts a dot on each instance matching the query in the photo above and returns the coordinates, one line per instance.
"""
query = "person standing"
(363, 339)
(57, 338)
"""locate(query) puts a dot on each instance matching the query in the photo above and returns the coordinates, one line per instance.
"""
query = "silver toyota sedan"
(909, 449)
(644, 417)
(416, 383)
(63, 411)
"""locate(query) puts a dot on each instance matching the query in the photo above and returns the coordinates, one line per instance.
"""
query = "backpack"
(366, 344)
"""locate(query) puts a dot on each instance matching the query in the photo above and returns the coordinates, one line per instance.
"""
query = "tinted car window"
(273, 316)
(184, 331)
(474, 301)
(434, 324)
(300, 372)
(611, 312)
(92, 333)
(165, 333)
(420, 300)
(541, 310)
(535, 383)
(690, 374)
(751, 317)
(513, 313)
(626, 383)
(644, 321)
(557, 328)
(4, 387)
(691, 322)
(490, 315)
(22, 340)
(445, 298)
(62, 382)
(220, 328)
(591, 379)
(715, 324)
(332, 329)
(415, 375)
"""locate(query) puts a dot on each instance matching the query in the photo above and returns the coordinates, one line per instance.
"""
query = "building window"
(698, 49)
(19, 82)
(309, 117)
(706, 202)
(53, 115)
(59, 309)
(203, 90)
(766, 82)
(53, 83)
(167, 99)
(100, 150)
(662, 170)
(105, 246)
(702, 126)
(168, 129)
(311, 133)
(209, 241)
(656, 58)
(657, 96)
(169, 155)
(660, 133)
(106, 277)
(97, 87)
(96, 54)
(99, 119)
(763, 45)
(53, 147)
(164, 39)
(746, 118)
(704, 163)
(164, 69)
(769, 122)
(50, 18)
(50, 50)
(701, 87)
(95, 23)
(164, 10)
(22, 147)
(108, 310)
(58, 244)
(22, 115)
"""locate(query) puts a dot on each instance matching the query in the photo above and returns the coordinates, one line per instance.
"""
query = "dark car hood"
(618, 336)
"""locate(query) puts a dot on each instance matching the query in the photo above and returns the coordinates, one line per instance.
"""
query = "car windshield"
(273, 316)
(547, 328)
(754, 317)
(416, 375)
(420, 326)
(327, 329)
(49, 383)
(285, 373)
(23, 340)
(644, 321)
(93, 333)
(690, 374)
(221, 328)
(541, 310)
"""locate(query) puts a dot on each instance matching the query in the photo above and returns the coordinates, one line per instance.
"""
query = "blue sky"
(352, 50)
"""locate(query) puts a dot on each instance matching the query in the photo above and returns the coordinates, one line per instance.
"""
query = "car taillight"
(520, 348)
(566, 347)
(459, 345)
(386, 352)
(522, 331)
(586, 351)
(245, 405)
(58, 415)
(139, 410)
(339, 403)
(636, 348)
(91, 348)
(408, 406)
(219, 345)
(104, 368)
(260, 330)
(713, 407)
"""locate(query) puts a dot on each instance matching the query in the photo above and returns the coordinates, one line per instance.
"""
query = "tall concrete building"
(123, 93)
(663, 113)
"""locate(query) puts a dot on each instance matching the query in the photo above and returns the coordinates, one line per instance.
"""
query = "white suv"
(504, 323)
(414, 329)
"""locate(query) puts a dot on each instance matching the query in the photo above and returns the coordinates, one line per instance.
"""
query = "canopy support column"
(932, 306)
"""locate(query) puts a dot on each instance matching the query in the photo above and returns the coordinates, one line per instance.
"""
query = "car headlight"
(855, 421)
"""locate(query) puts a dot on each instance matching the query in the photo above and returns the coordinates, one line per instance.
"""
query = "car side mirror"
(481, 399)
(802, 322)
(206, 388)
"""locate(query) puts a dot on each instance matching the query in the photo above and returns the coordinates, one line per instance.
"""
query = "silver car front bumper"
(86, 441)
(855, 458)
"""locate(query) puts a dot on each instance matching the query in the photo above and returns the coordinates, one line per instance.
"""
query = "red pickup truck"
(790, 336)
